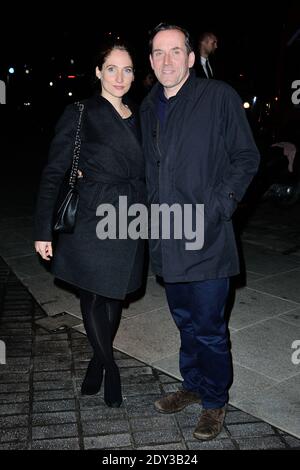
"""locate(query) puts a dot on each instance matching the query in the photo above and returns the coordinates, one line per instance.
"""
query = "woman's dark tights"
(101, 318)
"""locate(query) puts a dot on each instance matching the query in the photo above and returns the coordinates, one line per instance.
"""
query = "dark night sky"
(249, 37)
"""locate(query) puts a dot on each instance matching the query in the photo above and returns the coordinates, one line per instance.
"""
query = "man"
(208, 43)
(199, 149)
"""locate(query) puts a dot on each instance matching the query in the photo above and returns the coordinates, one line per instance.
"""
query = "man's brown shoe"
(210, 423)
(176, 401)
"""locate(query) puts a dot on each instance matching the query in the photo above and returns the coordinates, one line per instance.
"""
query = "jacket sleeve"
(59, 161)
(241, 153)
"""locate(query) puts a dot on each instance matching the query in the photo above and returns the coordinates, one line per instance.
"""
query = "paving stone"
(15, 387)
(45, 419)
(53, 385)
(129, 363)
(13, 378)
(263, 442)
(90, 402)
(49, 376)
(138, 389)
(55, 337)
(59, 405)
(249, 429)
(167, 379)
(14, 446)
(54, 431)
(156, 437)
(239, 417)
(14, 409)
(102, 413)
(53, 395)
(106, 426)
(151, 423)
(292, 442)
(19, 434)
(13, 398)
(169, 446)
(135, 372)
(8, 422)
(56, 444)
(107, 442)
(58, 365)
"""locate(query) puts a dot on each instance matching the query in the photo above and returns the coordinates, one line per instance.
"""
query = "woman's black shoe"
(112, 388)
(93, 378)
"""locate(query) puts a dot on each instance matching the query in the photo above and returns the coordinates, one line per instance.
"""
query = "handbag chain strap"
(77, 145)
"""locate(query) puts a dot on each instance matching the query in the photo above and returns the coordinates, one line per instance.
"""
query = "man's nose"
(166, 59)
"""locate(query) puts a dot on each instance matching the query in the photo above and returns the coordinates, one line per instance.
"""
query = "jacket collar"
(185, 92)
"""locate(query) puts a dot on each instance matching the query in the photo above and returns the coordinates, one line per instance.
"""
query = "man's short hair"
(166, 27)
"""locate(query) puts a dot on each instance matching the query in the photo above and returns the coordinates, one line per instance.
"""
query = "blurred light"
(27, 104)
(51, 84)
(27, 71)
(276, 98)
(254, 99)
(241, 75)
(11, 70)
(246, 105)
(71, 76)
(70, 93)
(72, 61)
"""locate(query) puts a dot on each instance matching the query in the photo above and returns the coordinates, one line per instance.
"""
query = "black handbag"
(65, 217)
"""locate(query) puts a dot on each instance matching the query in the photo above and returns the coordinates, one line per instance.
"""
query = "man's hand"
(44, 249)
(289, 151)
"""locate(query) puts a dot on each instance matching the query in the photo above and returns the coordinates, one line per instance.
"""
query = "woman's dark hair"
(107, 47)
(166, 27)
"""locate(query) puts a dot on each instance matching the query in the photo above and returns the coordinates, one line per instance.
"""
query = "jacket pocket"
(212, 206)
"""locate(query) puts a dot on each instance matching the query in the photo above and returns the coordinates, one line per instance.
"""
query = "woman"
(111, 165)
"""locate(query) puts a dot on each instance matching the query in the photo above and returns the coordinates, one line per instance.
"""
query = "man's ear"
(151, 61)
(191, 59)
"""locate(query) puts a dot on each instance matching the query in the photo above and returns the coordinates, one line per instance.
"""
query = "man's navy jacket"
(203, 153)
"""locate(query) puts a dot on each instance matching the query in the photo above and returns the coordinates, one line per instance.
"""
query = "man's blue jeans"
(205, 360)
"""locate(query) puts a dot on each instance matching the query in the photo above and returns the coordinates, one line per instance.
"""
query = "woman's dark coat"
(203, 154)
(112, 164)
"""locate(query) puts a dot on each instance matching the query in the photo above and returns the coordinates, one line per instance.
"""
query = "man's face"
(170, 60)
(210, 44)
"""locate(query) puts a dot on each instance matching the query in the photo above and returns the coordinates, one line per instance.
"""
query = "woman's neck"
(116, 102)
(121, 108)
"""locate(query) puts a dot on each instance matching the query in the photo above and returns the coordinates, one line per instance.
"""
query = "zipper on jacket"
(157, 138)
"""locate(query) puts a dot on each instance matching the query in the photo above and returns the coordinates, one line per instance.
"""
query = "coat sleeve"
(241, 153)
(59, 161)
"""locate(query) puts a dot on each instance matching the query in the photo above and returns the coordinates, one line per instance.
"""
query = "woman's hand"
(44, 249)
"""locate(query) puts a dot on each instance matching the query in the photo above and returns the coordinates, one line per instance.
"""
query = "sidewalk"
(41, 406)
(264, 321)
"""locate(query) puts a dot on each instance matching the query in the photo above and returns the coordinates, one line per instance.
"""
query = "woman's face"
(116, 74)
